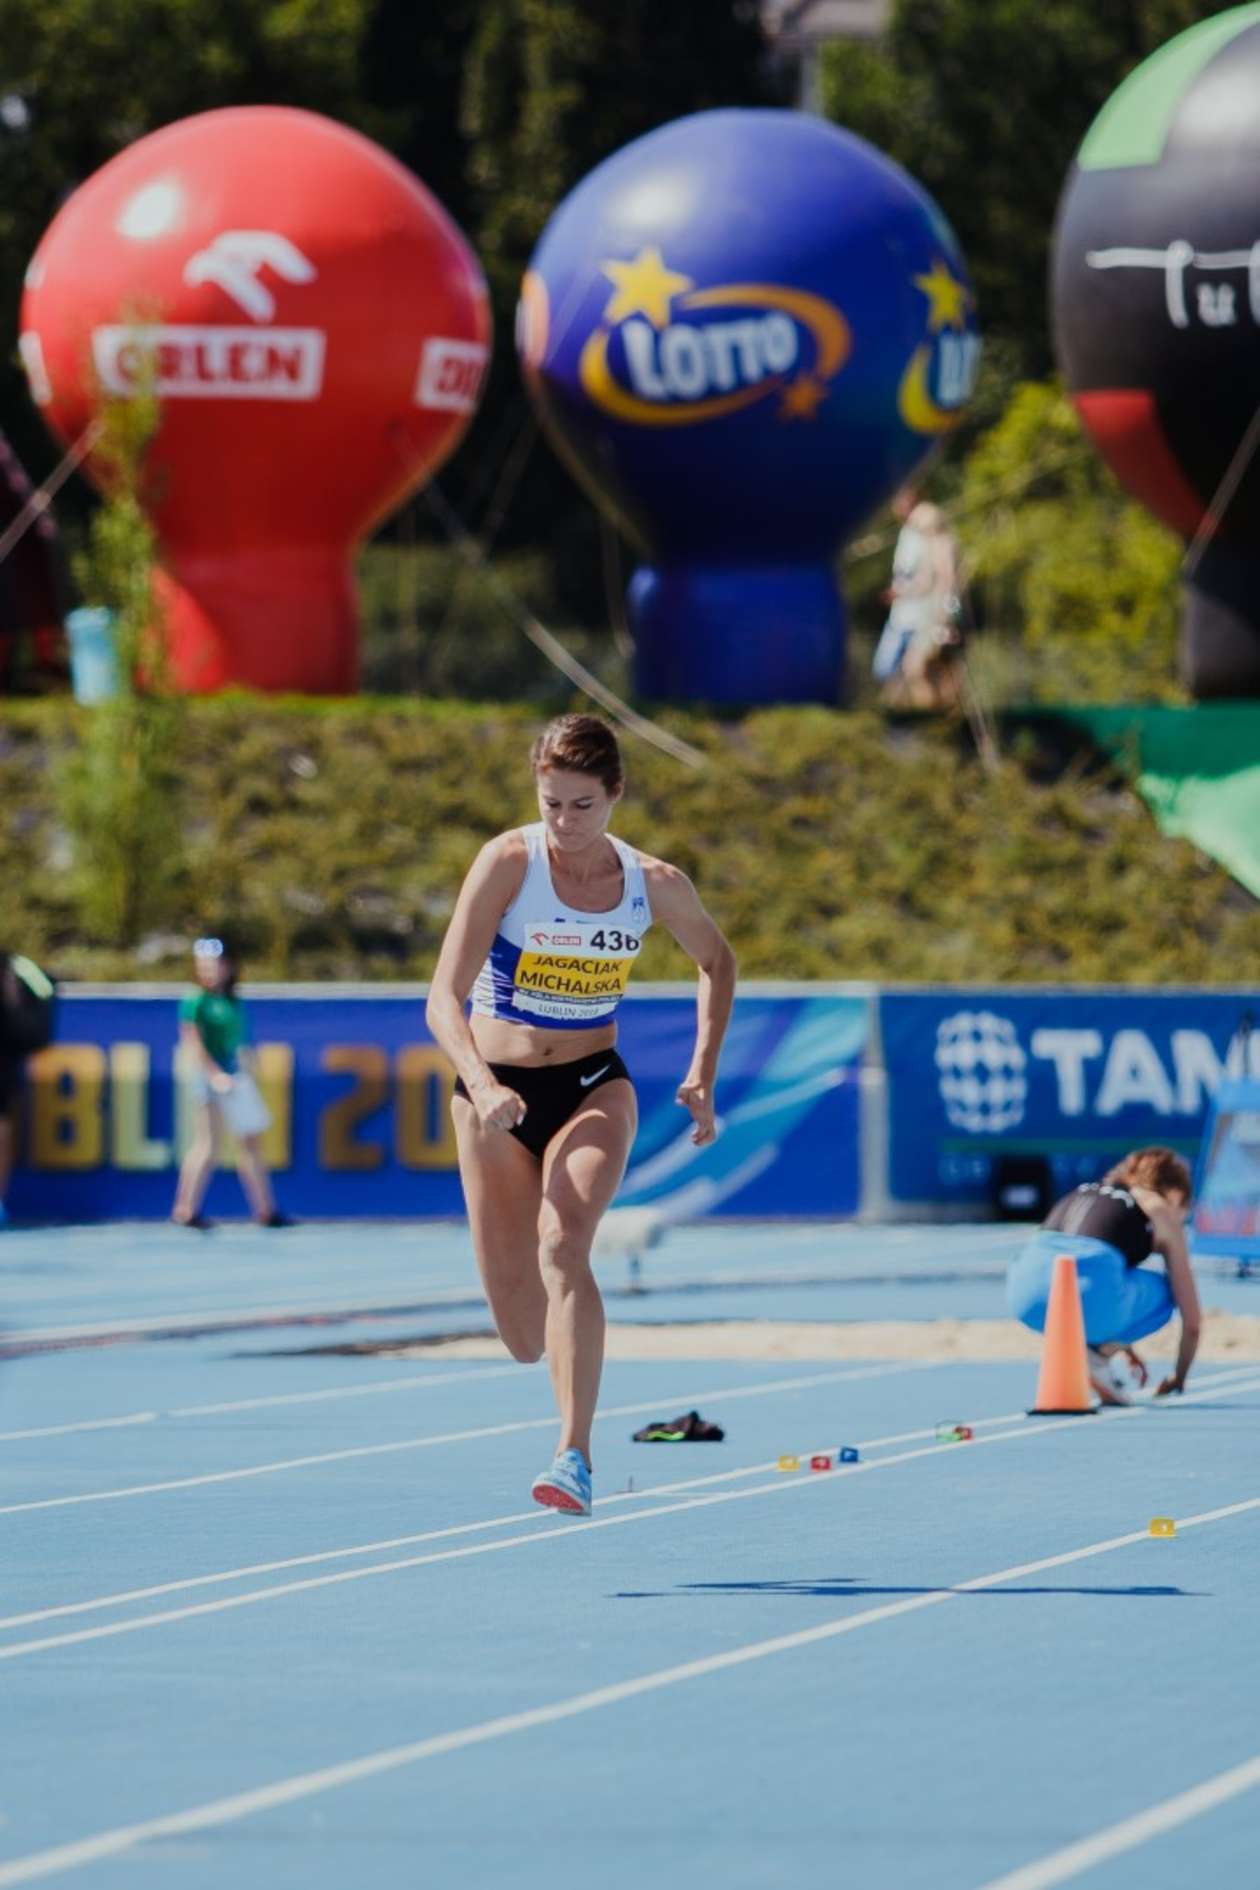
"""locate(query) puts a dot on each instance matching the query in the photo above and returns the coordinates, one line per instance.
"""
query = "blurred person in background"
(26, 1025)
(917, 659)
(214, 1038)
(1112, 1227)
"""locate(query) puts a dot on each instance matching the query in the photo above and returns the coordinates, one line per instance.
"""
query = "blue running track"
(276, 1616)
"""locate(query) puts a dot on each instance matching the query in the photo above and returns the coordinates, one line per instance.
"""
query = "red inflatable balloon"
(318, 329)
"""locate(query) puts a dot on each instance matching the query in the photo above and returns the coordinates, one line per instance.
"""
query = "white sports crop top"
(557, 968)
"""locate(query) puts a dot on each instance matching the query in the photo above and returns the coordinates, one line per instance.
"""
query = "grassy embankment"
(332, 836)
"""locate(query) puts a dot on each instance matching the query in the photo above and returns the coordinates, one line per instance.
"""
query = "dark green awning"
(1197, 769)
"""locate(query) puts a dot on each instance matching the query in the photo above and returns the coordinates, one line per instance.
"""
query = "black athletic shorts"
(552, 1092)
(11, 1069)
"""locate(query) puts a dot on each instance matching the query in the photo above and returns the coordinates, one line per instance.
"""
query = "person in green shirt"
(214, 1034)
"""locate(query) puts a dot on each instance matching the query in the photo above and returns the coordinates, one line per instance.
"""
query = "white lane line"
(85, 1424)
(1155, 1821)
(221, 1811)
(454, 1437)
(417, 1383)
(386, 1543)
(253, 1597)
(476, 1375)
(638, 1497)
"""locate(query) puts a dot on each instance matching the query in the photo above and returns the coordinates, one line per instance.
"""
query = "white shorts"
(243, 1108)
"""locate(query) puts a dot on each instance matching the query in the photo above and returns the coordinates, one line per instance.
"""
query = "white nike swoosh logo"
(586, 1081)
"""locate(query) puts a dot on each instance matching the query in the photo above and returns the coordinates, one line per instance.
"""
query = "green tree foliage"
(333, 838)
(432, 626)
(553, 86)
(119, 787)
(411, 69)
(1058, 554)
(985, 102)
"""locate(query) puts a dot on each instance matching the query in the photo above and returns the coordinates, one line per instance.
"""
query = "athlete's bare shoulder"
(511, 845)
(680, 909)
(668, 886)
(500, 865)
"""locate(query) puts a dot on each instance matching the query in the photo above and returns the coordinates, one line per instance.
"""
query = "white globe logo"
(981, 1064)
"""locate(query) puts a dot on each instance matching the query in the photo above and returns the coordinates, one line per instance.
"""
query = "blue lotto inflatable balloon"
(742, 332)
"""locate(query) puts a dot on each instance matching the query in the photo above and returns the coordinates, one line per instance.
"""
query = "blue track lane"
(923, 1737)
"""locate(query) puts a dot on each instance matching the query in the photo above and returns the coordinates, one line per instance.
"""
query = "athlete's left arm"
(1168, 1226)
(676, 903)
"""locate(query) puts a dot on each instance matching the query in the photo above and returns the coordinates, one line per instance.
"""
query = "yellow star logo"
(800, 398)
(644, 287)
(948, 298)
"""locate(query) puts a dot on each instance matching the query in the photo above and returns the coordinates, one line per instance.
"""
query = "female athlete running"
(544, 937)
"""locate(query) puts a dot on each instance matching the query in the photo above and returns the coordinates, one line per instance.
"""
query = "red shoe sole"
(551, 1498)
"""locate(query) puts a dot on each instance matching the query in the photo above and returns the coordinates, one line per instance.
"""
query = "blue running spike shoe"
(567, 1485)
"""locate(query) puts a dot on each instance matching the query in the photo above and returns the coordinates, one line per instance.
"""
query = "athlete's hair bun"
(584, 744)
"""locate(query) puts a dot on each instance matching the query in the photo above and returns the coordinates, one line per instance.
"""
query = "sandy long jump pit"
(1228, 1338)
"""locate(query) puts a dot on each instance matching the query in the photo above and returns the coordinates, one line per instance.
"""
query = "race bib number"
(574, 971)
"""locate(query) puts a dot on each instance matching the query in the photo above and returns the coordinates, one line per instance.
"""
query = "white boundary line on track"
(1130, 1832)
(419, 1382)
(221, 1811)
(1223, 1382)
(454, 1437)
(455, 1529)
(84, 1424)
(280, 1590)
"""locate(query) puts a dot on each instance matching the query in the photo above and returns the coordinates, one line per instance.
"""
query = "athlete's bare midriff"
(532, 1046)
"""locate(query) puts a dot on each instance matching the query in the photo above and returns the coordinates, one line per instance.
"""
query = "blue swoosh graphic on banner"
(824, 1039)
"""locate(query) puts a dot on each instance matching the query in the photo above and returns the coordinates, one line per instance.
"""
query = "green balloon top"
(1133, 124)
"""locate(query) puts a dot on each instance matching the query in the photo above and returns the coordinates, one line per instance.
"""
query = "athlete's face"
(575, 807)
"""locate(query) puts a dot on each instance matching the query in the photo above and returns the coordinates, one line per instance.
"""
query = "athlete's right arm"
(493, 881)
(1170, 1240)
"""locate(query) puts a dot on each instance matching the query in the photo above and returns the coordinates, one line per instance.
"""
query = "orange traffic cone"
(1063, 1388)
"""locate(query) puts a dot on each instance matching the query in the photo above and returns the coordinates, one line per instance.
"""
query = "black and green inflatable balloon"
(1156, 301)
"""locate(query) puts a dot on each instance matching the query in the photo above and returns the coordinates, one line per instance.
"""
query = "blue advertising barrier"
(1227, 1182)
(359, 1096)
(1076, 1077)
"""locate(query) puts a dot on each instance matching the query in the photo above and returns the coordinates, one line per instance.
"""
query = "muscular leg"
(251, 1166)
(502, 1190)
(582, 1169)
(199, 1163)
